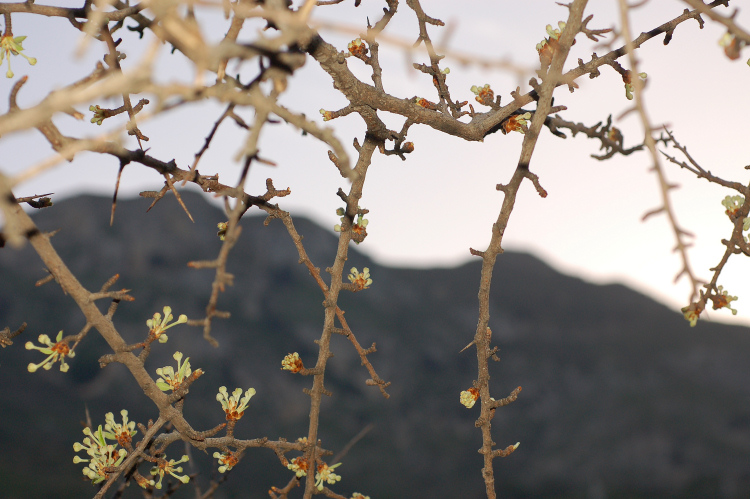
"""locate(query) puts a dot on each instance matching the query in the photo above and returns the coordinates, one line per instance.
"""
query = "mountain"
(621, 398)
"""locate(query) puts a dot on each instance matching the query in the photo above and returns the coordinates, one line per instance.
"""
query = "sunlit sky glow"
(428, 210)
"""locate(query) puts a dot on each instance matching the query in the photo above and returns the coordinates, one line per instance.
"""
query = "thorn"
(114, 197)
(467, 346)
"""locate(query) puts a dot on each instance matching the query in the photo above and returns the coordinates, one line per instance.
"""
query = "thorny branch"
(680, 234)
(736, 244)
(550, 80)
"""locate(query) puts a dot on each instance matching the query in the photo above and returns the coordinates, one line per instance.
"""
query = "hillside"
(621, 398)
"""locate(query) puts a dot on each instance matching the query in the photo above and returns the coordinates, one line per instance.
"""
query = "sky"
(429, 210)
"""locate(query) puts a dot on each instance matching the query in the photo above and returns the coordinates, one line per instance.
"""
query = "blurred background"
(621, 397)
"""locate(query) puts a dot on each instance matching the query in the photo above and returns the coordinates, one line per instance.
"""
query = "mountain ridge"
(620, 397)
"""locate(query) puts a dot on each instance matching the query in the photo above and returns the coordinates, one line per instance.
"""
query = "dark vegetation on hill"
(620, 397)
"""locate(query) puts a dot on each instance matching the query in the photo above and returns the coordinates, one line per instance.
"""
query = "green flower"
(325, 474)
(233, 406)
(484, 95)
(555, 33)
(732, 205)
(628, 79)
(548, 46)
(54, 351)
(103, 456)
(99, 114)
(732, 46)
(223, 227)
(13, 46)
(292, 362)
(691, 313)
(123, 433)
(358, 48)
(170, 380)
(164, 467)
(361, 281)
(227, 460)
(159, 325)
(469, 397)
(723, 300)
(359, 228)
(299, 465)
(516, 123)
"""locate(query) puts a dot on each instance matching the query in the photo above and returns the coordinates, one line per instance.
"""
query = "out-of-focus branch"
(715, 16)
(679, 234)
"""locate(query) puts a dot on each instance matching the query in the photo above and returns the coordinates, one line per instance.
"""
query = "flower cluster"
(164, 467)
(692, 312)
(103, 457)
(614, 134)
(158, 324)
(223, 227)
(358, 48)
(299, 465)
(233, 406)
(484, 95)
(469, 397)
(325, 474)
(547, 47)
(733, 204)
(723, 300)
(227, 460)
(732, 46)
(292, 362)
(357, 495)
(171, 380)
(359, 228)
(327, 115)
(516, 123)
(54, 351)
(123, 432)
(99, 114)
(361, 281)
(10, 45)
(627, 78)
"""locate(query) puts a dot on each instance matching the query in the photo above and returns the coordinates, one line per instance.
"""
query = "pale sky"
(428, 210)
